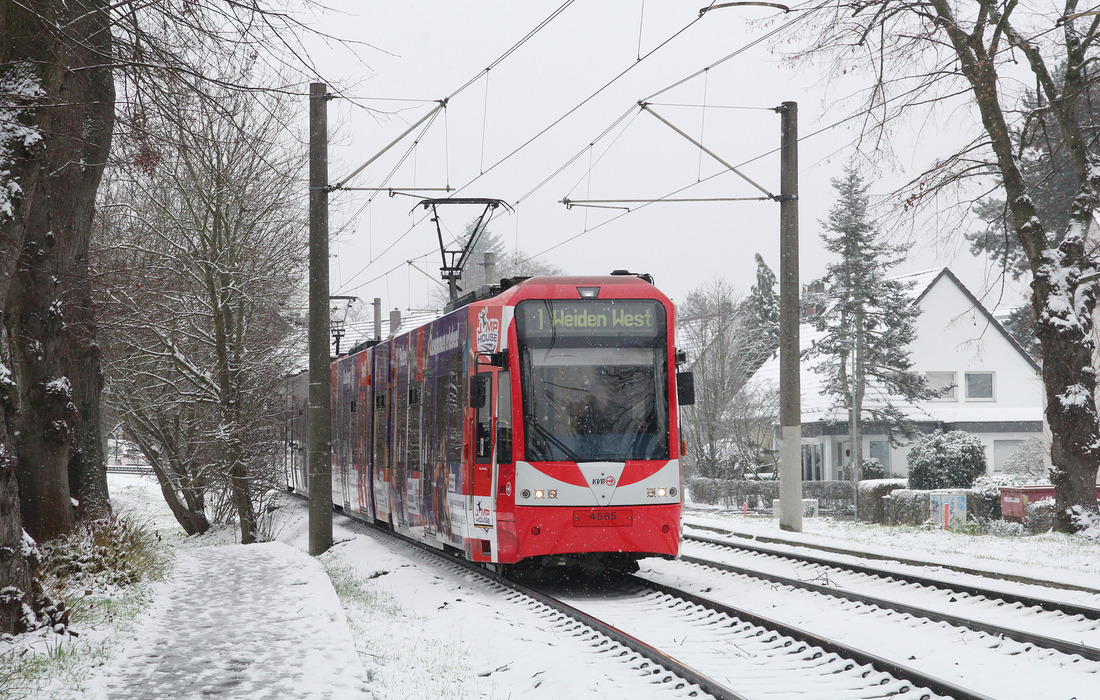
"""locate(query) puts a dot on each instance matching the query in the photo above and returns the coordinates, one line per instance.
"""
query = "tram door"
(482, 396)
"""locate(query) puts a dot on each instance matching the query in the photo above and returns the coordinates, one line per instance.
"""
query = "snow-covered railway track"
(758, 656)
(619, 649)
(990, 664)
(1064, 627)
(693, 651)
(905, 571)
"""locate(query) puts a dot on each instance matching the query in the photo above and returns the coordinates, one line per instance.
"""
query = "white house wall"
(952, 335)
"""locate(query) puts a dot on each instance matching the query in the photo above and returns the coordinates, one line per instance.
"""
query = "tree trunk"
(1070, 384)
(87, 467)
(16, 563)
(170, 474)
(22, 40)
(192, 521)
(57, 176)
(1063, 291)
(59, 191)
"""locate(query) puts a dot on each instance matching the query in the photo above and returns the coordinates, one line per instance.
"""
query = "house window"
(979, 386)
(813, 458)
(943, 382)
(880, 450)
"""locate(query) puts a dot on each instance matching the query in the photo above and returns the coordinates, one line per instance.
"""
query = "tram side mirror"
(478, 390)
(685, 388)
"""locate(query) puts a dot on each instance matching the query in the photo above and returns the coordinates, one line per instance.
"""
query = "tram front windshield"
(594, 380)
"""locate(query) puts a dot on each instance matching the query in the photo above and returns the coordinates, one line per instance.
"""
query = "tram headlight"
(661, 492)
(539, 493)
(525, 493)
(551, 494)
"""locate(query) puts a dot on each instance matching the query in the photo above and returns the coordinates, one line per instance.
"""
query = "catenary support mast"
(319, 456)
(790, 384)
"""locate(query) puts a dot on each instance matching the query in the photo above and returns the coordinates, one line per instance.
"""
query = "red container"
(1014, 499)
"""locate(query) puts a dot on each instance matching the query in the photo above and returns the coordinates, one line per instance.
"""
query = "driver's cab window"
(504, 418)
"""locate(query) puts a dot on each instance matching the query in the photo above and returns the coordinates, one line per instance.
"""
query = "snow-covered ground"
(264, 621)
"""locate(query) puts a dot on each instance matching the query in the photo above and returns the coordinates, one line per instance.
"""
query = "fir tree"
(761, 310)
(868, 321)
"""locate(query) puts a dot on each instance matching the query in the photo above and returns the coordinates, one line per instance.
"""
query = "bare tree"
(922, 52)
(59, 64)
(730, 419)
(205, 249)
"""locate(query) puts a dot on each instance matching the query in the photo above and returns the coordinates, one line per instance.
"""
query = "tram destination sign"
(545, 318)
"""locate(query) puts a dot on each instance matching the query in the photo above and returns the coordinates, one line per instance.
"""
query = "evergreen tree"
(762, 314)
(868, 321)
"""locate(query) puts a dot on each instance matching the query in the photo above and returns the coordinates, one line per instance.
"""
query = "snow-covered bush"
(99, 555)
(1006, 528)
(907, 507)
(873, 469)
(872, 493)
(1028, 463)
(1088, 524)
(951, 460)
(1040, 516)
(732, 493)
(983, 506)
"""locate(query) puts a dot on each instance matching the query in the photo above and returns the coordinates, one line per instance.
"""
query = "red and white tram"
(537, 426)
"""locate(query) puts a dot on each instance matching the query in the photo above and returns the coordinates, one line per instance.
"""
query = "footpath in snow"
(257, 621)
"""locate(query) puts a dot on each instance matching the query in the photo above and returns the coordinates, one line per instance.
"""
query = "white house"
(996, 390)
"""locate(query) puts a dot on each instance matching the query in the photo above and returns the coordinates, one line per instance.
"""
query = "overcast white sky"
(425, 51)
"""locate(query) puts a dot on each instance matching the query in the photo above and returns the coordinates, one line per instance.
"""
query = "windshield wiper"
(553, 439)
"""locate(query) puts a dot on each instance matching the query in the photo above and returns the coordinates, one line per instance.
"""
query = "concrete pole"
(790, 384)
(377, 320)
(319, 464)
(490, 267)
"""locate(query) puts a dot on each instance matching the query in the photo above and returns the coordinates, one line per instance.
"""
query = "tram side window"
(381, 459)
(414, 429)
(456, 399)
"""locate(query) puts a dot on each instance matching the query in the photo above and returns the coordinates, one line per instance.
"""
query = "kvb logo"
(604, 480)
(488, 332)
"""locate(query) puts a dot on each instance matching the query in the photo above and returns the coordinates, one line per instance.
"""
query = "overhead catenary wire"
(782, 28)
(441, 105)
(561, 118)
(767, 35)
(528, 142)
(786, 26)
(513, 49)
